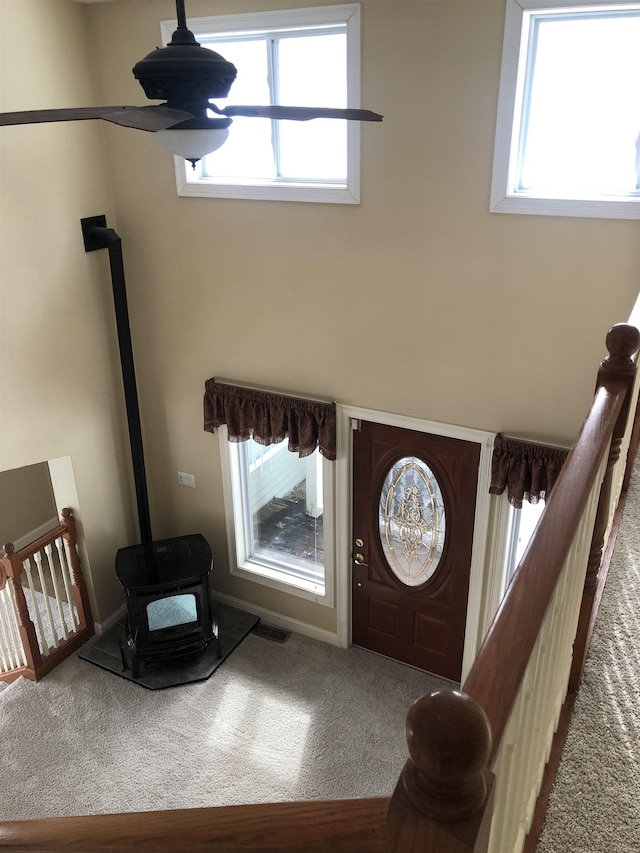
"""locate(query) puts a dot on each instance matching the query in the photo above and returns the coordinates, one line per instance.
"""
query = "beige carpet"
(595, 803)
(293, 721)
(305, 720)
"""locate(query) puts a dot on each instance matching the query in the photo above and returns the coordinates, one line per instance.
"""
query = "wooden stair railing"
(493, 685)
(54, 552)
(444, 798)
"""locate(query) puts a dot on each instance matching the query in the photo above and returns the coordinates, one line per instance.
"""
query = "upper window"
(568, 132)
(298, 57)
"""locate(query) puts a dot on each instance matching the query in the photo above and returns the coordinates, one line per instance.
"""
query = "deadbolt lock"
(359, 543)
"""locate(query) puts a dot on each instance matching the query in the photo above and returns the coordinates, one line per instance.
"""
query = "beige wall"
(26, 501)
(58, 390)
(417, 301)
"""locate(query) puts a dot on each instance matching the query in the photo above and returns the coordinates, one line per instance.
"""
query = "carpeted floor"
(302, 720)
(595, 803)
(277, 721)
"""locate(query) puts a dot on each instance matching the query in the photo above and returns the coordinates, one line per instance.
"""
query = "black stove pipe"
(97, 236)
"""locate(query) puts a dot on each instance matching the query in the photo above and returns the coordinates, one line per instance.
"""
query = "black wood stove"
(166, 582)
(169, 610)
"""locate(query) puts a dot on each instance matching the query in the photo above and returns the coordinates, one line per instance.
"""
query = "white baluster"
(66, 577)
(14, 649)
(5, 663)
(4, 637)
(6, 649)
(47, 604)
(56, 591)
(27, 565)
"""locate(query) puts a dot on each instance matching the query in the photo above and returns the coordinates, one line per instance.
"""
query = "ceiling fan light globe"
(192, 144)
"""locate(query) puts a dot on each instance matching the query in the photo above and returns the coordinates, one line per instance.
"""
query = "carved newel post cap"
(449, 741)
(622, 342)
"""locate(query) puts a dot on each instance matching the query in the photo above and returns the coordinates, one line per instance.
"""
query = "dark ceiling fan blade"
(299, 113)
(149, 118)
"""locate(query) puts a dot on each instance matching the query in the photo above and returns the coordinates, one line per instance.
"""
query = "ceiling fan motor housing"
(184, 73)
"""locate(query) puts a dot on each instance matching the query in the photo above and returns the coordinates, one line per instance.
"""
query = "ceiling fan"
(185, 76)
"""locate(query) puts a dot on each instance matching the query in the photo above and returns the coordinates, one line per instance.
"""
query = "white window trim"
(271, 577)
(503, 198)
(348, 14)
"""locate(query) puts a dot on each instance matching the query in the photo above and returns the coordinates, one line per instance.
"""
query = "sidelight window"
(522, 523)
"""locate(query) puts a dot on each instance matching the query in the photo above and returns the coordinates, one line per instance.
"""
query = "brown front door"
(414, 501)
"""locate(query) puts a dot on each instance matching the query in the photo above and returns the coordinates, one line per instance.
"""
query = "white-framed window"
(568, 129)
(512, 531)
(522, 523)
(279, 517)
(294, 57)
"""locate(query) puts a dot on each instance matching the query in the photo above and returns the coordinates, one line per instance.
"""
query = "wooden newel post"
(444, 798)
(79, 588)
(618, 368)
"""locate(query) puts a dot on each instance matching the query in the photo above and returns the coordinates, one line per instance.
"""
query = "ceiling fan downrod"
(181, 15)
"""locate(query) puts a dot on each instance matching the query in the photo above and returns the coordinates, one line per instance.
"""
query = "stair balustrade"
(45, 613)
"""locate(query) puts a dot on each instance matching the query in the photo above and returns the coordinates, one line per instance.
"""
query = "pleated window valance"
(269, 418)
(526, 470)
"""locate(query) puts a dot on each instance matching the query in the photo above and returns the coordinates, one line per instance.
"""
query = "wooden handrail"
(334, 826)
(37, 545)
(428, 813)
(506, 651)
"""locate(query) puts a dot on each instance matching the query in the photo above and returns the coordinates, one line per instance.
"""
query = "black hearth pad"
(234, 625)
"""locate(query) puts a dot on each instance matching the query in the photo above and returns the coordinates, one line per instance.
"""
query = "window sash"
(275, 575)
(279, 131)
(306, 571)
(507, 195)
(283, 21)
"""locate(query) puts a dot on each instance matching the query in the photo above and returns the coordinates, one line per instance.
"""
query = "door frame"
(346, 417)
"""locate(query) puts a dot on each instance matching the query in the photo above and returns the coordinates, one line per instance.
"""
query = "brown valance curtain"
(526, 470)
(269, 418)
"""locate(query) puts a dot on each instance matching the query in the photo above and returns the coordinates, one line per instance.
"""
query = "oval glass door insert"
(412, 520)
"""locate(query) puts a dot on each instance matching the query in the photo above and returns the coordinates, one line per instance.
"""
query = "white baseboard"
(30, 537)
(280, 621)
(110, 621)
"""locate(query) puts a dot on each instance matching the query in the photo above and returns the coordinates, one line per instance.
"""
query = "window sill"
(283, 582)
(595, 208)
(265, 190)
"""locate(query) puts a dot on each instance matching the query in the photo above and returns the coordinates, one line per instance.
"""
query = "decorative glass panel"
(412, 520)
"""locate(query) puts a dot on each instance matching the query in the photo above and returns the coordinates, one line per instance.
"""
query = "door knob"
(359, 560)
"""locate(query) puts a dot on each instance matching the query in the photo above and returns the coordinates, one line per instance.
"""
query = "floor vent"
(271, 633)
